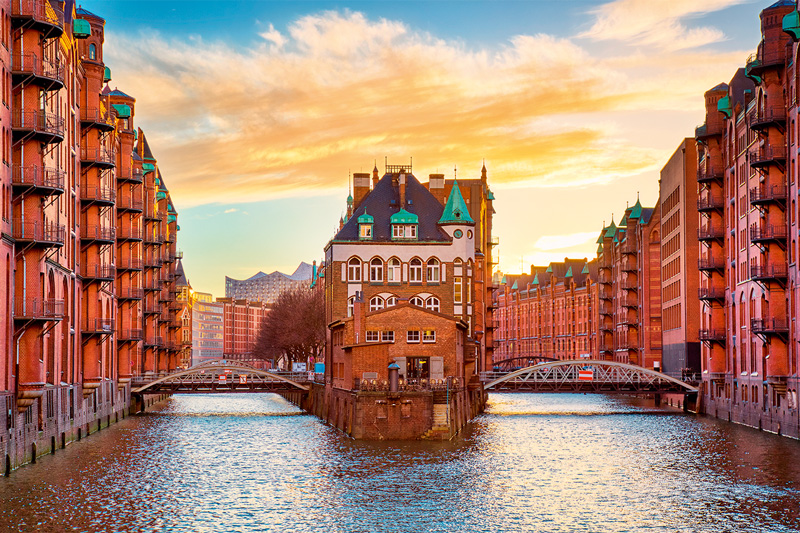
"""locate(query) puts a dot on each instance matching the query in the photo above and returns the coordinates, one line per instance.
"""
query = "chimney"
(375, 175)
(402, 186)
(360, 188)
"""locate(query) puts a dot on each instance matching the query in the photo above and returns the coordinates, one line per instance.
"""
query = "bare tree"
(294, 329)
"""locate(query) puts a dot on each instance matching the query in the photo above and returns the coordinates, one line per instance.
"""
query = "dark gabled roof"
(384, 201)
(135, 156)
(783, 3)
(647, 212)
(181, 281)
(117, 92)
(145, 147)
(87, 13)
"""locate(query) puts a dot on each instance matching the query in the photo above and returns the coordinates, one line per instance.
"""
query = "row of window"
(376, 303)
(412, 336)
(392, 270)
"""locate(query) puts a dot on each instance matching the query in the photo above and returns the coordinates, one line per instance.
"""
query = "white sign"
(299, 367)
(243, 379)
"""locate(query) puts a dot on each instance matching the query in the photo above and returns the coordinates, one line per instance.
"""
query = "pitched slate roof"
(117, 92)
(181, 281)
(384, 201)
(145, 147)
(87, 13)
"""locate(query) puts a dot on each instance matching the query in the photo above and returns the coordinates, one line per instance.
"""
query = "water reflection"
(542, 463)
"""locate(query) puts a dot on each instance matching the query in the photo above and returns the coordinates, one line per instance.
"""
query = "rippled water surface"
(544, 463)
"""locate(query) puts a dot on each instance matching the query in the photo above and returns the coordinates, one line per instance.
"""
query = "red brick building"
(400, 288)
(551, 312)
(242, 321)
(88, 234)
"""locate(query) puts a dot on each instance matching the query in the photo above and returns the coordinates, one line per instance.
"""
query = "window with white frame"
(387, 336)
(354, 269)
(391, 301)
(397, 231)
(416, 300)
(373, 336)
(376, 303)
(415, 271)
(432, 303)
(366, 231)
(351, 302)
(412, 336)
(457, 290)
(376, 270)
(433, 270)
(429, 335)
(393, 270)
(468, 290)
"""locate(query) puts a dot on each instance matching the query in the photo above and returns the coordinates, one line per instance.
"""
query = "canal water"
(541, 463)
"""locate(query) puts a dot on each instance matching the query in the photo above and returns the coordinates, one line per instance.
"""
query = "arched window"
(391, 301)
(433, 270)
(376, 303)
(376, 270)
(416, 300)
(92, 52)
(432, 303)
(354, 269)
(351, 302)
(393, 270)
(415, 271)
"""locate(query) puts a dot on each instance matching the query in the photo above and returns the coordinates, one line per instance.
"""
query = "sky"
(259, 111)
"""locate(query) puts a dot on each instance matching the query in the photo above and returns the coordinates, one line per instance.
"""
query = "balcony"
(629, 285)
(131, 175)
(43, 180)
(153, 262)
(38, 233)
(708, 264)
(130, 203)
(130, 293)
(99, 234)
(152, 308)
(605, 295)
(628, 247)
(130, 264)
(768, 194)
(710, 174)
(768, 233)
(769, 154)
(129, 233)
(29, 68)
(769, 326)
(712, 335)
(39, 15)
(99, 272)
(37, 125)
(709, 294)
(97, 156)
(130, 335)
(631, 302)
(769, 116)
(154, 342)
(98, 194)
(706, 131)
(778, 272)
(710, 233)
(629, 267)
(151, 285)
(98, 326)
(764, 60)
(38, 309)
(710, 202)
(94, 117)
(151, 237)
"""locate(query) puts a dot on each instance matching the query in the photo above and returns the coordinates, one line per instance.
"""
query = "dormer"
(404, 226)
(365, 223)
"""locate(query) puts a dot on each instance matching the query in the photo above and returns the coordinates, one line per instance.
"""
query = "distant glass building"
(267, 287)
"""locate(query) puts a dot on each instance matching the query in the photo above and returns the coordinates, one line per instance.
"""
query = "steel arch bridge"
(586, 376)
(220, 376)
(514, 363)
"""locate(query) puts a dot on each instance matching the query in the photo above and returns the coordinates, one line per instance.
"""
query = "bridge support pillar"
(657, 400)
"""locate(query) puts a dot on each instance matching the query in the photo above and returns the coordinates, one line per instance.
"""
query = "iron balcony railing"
(36, 177)
(764, 194)
(767, 154)
(38, 308)
(710, 263)
(130, 264)
(99, 233)
(95, 326)
(766, 272)
(30, 64)
(128, 202)
(129, 233)
(769, 325)
(711, 293)
(710, 173)
(153, 262)
(40, 11)
(130, 293)
(628, 266)
(130, 334)
(48, 126)
(630, 301)
(709, 233)
(704, 131)
(99, 272)
(38, 232)
(96, 116)
(151, 308)
(765, 58)
(629, 285)
(767, 116)
(98, 193)
(133, 175)
(715, 335)
(768, 232)
(98, 156)
(710, 203)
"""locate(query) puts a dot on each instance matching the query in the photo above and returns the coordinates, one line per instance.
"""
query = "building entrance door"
(418, 367)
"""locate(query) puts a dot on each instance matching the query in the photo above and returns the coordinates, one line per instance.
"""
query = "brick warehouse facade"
(403, 287)
(88, 235)
(747, 157)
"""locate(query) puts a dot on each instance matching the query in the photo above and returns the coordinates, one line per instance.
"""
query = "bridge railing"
(410, 385)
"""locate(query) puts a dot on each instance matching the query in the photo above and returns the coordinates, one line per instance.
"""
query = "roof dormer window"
(365, 222)
(404, 225)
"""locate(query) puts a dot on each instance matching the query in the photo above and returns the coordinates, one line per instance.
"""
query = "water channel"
(544, 463)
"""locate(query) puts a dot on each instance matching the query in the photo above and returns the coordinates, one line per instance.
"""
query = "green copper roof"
(752, 62)
(600, 237)
(349, 199)
(81, 28)
(611, 230)
(549, 268)
(636, 212)
(514, 286)
(171, 218)
(569, 273)
(123, 111)
(599, 248)
(148, 167)
(107, 75)
(455, 210)
(585, 269)
(503, 281)
(161, 195)
(724, 106)
(791, 25)
(616, 238)
(366, 219)
(535, 280)
(490, 195)
(404, 217)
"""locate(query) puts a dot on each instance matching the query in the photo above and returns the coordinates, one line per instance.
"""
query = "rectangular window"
(387, 336)
(397, 231)
(457, 290)
(366, 231)
(429, 335)
(412, 336)
(372, 336)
